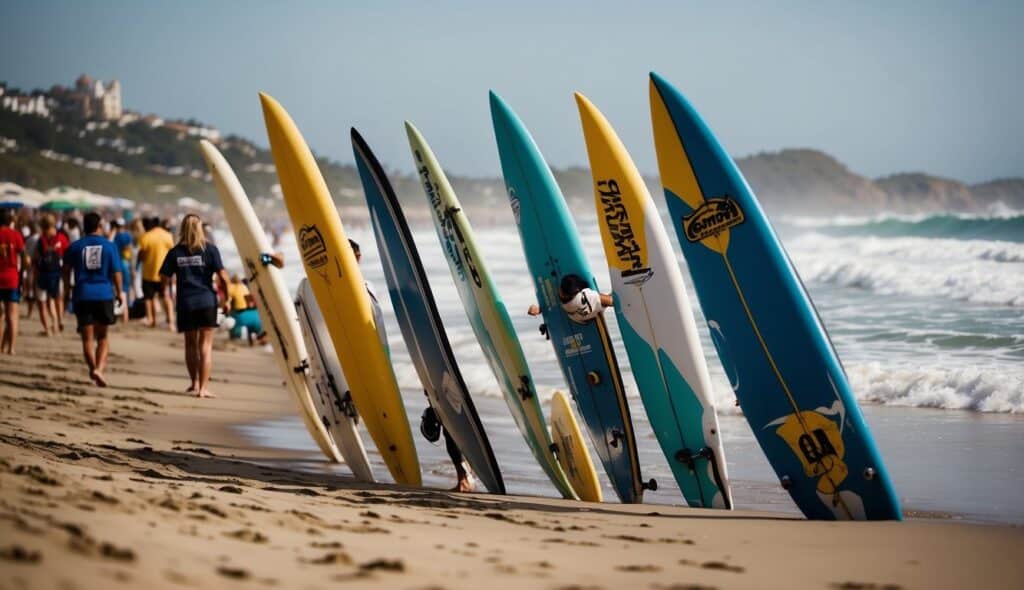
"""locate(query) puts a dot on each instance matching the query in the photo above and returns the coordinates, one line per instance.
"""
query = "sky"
(885, 87)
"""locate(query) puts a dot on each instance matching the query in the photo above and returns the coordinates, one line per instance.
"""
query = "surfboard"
(333, 399)
(553, 250)
(655, 318)
(572, 450)
(774, 347)
(340, 292)
(272, 300)
(420, 322)
(485, 309)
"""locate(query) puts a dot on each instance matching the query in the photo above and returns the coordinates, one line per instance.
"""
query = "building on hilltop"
(96, 100)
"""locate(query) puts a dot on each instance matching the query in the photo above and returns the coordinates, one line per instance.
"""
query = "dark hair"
(6, 217)
(570, 286)
(91, 223)
(355, 246)
(147, 223)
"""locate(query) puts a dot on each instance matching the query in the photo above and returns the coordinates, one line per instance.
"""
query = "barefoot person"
(97, 271)
(12, 258)
(153, 248)
(47, 258)
(193, 262)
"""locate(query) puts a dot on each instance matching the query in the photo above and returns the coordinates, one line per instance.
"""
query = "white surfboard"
(272, 300)
(655, 318)
(332, 397)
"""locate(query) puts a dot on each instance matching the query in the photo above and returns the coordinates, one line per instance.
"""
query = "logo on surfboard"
(712, 218)
(312, 246)
(627, 244)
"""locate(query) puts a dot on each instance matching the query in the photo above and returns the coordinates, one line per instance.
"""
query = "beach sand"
(141, 485)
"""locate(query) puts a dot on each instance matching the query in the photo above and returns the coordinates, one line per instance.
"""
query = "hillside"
(148, 162)
(809, 181)
(1009, 191)
(927, 192)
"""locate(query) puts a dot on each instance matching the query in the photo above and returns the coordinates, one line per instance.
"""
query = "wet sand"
(139, 484)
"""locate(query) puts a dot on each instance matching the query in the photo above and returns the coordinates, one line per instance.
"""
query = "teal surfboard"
(420, 321)
(486, 309)
(776, 353)
(553, 250)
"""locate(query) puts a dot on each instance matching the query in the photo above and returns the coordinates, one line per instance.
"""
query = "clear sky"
(929, 86)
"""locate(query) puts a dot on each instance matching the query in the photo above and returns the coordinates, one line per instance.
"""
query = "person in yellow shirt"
(243, 310)
(154, 245)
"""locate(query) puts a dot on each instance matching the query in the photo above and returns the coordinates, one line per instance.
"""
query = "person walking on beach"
(154, 245)
(12, 258)
(47, 259)
(581, 303)
(29, 231)
(193, 262)
(97, 272)
(123, 242)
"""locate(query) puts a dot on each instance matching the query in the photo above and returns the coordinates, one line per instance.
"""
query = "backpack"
(49, 259)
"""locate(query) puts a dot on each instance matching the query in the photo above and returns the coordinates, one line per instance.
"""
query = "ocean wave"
(998, 225)
(974, 271)
(979, 389)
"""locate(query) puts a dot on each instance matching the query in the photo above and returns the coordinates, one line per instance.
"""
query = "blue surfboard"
(420, 322)
(553, 250)
(774, 347)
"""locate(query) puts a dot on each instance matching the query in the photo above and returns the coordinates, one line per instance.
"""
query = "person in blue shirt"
(123, 243)
(193, 262)
(97, 270)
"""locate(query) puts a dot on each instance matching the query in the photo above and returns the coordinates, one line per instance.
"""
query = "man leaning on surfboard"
(581, 303)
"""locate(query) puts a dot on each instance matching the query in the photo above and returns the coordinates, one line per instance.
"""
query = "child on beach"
(579, 301)
(243, 310)
(12, 258)
(193, 262)
(47, 259)
(154, 245)
(97, 273)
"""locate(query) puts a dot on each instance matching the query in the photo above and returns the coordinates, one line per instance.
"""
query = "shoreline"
(138, 484)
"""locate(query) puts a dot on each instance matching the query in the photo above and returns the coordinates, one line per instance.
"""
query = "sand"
(141, 485)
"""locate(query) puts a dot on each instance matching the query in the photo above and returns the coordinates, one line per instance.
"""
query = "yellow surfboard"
(340, 292)
(572, 450)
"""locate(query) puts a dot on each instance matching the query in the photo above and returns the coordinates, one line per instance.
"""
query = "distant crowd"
(108, 270)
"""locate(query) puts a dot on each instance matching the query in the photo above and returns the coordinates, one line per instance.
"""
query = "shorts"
(194, 319)
(48, 287)
(90, 313)
(10, 295)
(248, 319)
(151, 289)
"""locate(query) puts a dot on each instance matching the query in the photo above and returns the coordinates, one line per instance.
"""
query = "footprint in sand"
(248, 536)
(19, 554)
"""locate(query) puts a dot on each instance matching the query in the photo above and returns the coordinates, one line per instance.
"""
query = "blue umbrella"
(11, 204)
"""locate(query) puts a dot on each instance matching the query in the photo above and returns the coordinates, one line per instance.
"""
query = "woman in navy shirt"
(194, 262)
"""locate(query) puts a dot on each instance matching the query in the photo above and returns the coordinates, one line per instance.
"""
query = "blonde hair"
(191, 233)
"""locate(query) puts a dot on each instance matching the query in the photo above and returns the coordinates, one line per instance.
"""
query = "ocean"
(926, 313)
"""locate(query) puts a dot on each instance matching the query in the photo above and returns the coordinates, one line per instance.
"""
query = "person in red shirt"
(12, 256)
(47, 260)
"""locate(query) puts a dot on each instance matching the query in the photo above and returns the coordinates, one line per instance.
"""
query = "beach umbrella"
(61, 205)
(11, 204)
